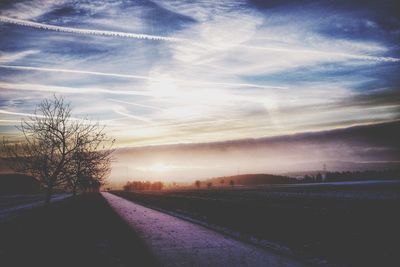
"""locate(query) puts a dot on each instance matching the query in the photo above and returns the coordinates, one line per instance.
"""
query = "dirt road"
(176, 242)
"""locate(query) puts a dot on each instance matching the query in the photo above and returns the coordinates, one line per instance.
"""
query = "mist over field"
(356, 148)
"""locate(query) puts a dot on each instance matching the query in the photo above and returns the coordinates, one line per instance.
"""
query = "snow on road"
(176, 242)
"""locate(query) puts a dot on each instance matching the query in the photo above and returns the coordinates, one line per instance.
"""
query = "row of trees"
(198, 183)
(318, 178)
(362, 175)
(138, 185)
(353, 176)
(59, 150)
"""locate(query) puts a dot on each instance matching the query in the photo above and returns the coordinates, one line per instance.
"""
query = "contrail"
(2, 111)
(30, 115)
(43, 26)
(16, 67)
(19, 113)
(9, 122)
(140, 77)
(131, 116)
(337, 54)
(135, 104)
(67, 90)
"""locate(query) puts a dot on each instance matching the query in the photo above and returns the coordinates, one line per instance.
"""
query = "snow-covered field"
(180, 243)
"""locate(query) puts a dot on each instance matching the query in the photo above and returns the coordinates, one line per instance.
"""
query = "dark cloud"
(355, 148)
(383, 97)
(382, 135)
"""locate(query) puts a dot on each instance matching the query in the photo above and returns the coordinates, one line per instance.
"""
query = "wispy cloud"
(11, 57)
(31, 9)
(198, 71)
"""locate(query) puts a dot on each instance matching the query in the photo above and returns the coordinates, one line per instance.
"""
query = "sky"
(188, 72)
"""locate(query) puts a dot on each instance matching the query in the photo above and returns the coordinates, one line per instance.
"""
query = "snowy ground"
(35, 201)
(180, 243)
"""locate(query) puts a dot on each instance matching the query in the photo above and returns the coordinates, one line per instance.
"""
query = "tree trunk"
(74, 190)
(49, 193)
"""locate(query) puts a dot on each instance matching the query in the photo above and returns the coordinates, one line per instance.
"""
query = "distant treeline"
(362, 175)
(264, 179)
(259, 179)
(139, 185)
(352, 176)
(251, 179)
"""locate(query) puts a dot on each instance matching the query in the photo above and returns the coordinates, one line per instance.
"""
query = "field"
(350, 224)
(73, 232)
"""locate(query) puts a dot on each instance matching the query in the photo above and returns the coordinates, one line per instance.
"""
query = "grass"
(77, 232)
(346, 231)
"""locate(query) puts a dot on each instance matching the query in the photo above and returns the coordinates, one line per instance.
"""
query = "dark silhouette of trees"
(363, 175)
(308, 179)
(231, 183)
(55, 144)
(197, 183)
(139, 185)
(353, 176)
(90, 163)
(253, 179)
(318, 178)
(209, 184)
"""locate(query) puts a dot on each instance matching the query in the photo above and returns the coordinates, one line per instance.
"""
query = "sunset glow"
(159, 167)
(194, 72)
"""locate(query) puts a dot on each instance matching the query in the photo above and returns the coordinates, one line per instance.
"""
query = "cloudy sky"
(167, 72)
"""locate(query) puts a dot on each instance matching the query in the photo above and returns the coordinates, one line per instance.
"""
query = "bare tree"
(98, 168)
(51, 141)
(197, 183)
(91, 160)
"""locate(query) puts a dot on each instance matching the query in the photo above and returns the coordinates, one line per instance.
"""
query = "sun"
(160, 167)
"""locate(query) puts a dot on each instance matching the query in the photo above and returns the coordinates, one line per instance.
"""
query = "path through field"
(176, 242)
